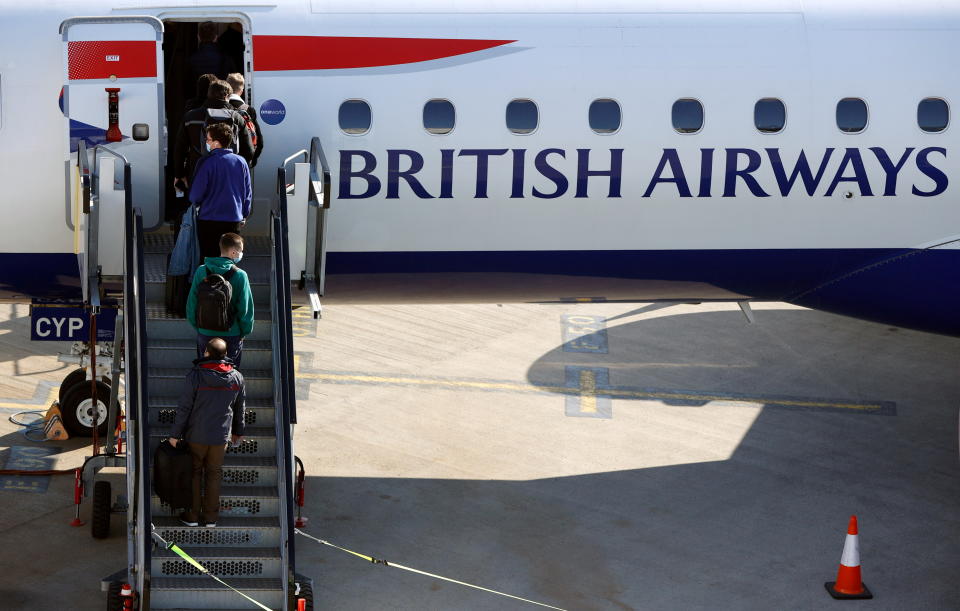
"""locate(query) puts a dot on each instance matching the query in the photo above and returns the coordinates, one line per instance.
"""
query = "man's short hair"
(217, 348)
(236, 81)
(230, 240)
(219, 90)
(222, 133)
(207, 32)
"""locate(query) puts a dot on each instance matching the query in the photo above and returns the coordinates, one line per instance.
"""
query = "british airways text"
(728, 172)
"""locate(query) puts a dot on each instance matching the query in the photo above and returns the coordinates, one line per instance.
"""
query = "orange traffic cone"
(848, 584)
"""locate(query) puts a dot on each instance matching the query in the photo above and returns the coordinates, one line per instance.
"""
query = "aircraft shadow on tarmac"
(761, 529)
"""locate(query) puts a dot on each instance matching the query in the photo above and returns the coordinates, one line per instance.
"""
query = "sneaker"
(210, 524)
(186, 521)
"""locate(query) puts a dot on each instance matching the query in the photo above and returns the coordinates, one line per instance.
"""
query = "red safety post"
(126, 595)
(77, 494)
(302, 604)
(299, 495)
(94, 395)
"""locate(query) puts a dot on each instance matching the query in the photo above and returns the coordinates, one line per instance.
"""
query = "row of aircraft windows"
(604, 116)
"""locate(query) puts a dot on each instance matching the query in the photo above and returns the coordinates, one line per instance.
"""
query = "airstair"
(252, 547)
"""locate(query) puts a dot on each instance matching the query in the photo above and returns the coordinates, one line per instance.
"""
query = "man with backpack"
(221, 191)
(209, 414)
(236, 82)
(220, 304)
(190, 145)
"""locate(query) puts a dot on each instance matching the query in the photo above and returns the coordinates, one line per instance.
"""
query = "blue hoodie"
(221, 187)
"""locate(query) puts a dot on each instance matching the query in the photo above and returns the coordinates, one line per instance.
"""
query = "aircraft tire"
(306, 593)
(100, 520)
(114, 602)
(76, 410)
(73, 378)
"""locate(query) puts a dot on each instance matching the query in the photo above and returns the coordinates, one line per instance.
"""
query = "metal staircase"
(252, 547)
(246, 546)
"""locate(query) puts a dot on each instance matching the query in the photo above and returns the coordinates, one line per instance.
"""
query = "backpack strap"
(210, 272)
(230, 273)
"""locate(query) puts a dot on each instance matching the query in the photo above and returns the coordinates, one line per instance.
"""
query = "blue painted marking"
(588, 404)
(582, 333)
(32, 458)
(273, 112)
(68, 324)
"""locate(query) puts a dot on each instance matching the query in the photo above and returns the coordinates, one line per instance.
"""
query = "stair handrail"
(314, 276)
(284, 386)
(139, 543)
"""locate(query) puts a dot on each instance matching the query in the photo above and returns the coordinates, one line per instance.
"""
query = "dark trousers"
(209, 232)
(234, 346)
(207, 466)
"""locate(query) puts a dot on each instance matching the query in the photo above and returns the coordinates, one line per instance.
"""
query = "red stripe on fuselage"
(99, 59)
(271, 53)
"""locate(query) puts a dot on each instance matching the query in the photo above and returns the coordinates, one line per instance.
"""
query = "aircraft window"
(851, 115)
(769, 115)
(439, 116)
(604, 116)
(687, 116)
(355, 117)
(933, 114)
(522, 116)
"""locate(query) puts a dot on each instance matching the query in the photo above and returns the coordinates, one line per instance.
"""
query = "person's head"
(219, 90)
(231, 246)
(203, 84)
(219, 136)
(236, 82)
(216, 349)
(207, 32)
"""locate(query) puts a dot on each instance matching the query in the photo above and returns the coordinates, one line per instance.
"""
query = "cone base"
(842, 596)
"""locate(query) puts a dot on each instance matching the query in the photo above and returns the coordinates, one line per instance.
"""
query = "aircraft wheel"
(77, 410)
(102, 502)
(114, 602)
(73, 378)
(306, 593)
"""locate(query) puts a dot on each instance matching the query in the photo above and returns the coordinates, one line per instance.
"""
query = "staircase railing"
(139, 542)
(284, 383)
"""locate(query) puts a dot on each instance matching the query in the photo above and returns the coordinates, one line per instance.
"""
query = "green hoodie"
(241, 303)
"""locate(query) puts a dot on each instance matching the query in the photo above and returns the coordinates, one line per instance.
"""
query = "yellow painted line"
(612, 392)
(28, 403)
(588, 389)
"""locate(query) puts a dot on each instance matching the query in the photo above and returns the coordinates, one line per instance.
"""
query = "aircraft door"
(113, 96)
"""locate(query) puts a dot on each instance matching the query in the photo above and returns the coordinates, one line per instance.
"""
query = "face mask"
(237, 260)
(208, 147)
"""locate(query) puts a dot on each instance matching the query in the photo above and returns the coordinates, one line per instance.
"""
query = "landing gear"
(73, 378)
(77, 409)
(305, 585)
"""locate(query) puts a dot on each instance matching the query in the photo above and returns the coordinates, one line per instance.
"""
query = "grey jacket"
(212, 403)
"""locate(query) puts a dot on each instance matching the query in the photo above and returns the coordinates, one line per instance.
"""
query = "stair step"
(257, 441)
(190, 593)
(164, 325)
(180, 352)
(258, 383)
(224, 562)
(161, 241)
(230, 531)
(237, 502)
(162, 411)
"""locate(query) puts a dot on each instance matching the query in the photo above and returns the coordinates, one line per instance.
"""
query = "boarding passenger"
(236, 100)
(220, 303)
(209, 414)
(209, 57)
(221, 191)
(203, 85)
(190, 147)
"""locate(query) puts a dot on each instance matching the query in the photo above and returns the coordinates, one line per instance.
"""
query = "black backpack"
(217, 115)
(248, 121)
(214, 294)
(173, 474)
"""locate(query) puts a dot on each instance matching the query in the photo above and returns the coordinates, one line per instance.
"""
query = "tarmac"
(584, 455)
